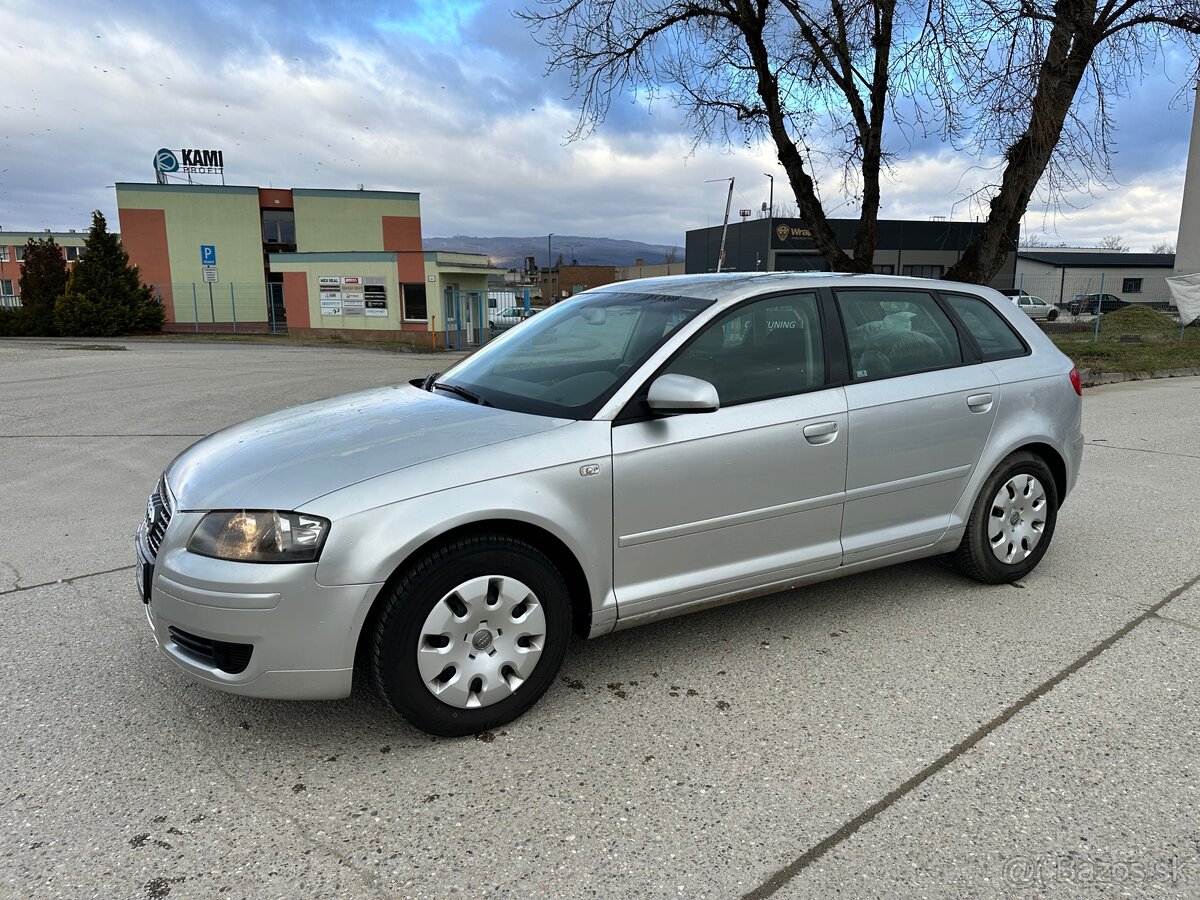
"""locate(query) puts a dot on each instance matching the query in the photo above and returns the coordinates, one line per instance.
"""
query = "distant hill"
(510, 252)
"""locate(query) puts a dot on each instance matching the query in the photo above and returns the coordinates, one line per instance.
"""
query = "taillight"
(1075, 382)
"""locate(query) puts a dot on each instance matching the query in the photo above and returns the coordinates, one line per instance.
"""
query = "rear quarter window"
(995, 337)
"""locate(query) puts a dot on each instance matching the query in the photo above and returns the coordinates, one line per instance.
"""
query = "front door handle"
(979, 403)
(820, 432)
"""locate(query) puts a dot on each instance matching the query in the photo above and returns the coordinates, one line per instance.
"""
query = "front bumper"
(301, 635)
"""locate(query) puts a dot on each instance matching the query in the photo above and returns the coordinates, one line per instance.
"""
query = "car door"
(710, 504)
(920, 409)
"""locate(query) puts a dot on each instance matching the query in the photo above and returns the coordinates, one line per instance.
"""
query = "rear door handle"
(820, 432)
(979, 403)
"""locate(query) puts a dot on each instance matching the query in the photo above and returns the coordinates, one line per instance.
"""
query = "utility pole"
(549, 269)
(725, 224)
(770, 219)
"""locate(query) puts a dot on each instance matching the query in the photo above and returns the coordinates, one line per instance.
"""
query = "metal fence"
(224, 307)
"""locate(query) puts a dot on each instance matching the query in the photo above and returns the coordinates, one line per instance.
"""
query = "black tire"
(1052, 315)
(393, 659)
(974, 556)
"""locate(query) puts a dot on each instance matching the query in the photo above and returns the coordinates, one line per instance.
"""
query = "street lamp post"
(549, 268)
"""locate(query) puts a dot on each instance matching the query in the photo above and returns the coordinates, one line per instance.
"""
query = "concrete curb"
(1093, 379)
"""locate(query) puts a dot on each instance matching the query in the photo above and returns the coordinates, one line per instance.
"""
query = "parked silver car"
(639, 451)
(503, 319)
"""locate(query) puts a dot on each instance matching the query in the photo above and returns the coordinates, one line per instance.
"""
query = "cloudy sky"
(451, 100)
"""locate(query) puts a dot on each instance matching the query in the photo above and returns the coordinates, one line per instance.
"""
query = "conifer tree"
(104, 295)
(43, 281)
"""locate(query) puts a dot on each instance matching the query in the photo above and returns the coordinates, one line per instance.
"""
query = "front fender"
(369, 546)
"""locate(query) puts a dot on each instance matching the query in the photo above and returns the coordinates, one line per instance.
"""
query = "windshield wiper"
(461, 392)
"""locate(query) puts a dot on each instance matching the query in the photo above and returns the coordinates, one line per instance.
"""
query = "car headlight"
(259, 535)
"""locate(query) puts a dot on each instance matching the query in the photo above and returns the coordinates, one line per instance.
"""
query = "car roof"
(735, 286)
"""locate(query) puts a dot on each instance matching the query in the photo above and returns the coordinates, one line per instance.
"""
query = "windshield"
(569, 359)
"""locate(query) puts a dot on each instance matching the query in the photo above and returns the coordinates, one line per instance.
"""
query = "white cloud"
(476, 130)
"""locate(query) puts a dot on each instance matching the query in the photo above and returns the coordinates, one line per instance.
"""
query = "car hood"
(285, 459)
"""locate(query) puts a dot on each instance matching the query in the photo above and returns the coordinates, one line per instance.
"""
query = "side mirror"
(682, 394)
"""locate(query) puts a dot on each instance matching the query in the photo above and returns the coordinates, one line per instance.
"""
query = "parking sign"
(208, 254)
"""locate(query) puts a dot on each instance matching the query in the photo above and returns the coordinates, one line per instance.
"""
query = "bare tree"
(1163, 247)
(672, 255)
(1114, 242)
(820, 80)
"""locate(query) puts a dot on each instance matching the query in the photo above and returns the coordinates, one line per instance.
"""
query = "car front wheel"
(471, 635)
(1052, 315)
(1012, 521)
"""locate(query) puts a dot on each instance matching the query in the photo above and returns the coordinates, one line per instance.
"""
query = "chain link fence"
(1078, 304)
(224, 307)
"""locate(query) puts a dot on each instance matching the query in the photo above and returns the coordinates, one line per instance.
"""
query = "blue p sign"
(208, 254)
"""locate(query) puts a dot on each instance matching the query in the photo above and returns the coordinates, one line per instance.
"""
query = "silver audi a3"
(642, 450)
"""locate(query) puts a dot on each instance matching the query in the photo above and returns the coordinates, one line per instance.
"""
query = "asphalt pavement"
(899, 733)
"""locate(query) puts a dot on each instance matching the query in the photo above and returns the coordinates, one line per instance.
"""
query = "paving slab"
(1090, 791)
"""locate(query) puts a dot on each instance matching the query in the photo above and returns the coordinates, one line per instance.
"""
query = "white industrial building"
(1056, 275)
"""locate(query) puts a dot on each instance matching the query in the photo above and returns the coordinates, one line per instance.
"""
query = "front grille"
(158, 516)
(231, 658)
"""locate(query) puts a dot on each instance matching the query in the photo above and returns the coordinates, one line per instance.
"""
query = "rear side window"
(995, 337)
(891, 333)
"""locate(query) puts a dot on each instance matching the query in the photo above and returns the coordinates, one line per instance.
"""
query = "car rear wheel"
(1012, 522)
(471, 635)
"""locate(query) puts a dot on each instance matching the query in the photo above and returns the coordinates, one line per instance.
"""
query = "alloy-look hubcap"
(481, 641)
(1018, 519)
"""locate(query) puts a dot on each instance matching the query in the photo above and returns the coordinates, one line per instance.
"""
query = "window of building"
(1131, 286)
(770, 348)
(279, 226)
(73, 253)
(896, 333)
(885, 269)
(21, 253)
(415, 308)
(6, 287)
(923, 271)
(995, 338)
(3, 254)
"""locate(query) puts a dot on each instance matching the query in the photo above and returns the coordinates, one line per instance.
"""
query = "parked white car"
(1034, 307)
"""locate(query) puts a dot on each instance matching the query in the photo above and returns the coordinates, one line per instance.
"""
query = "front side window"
(995, 338)
(892, 333)
(769, 348)
(567, 360)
